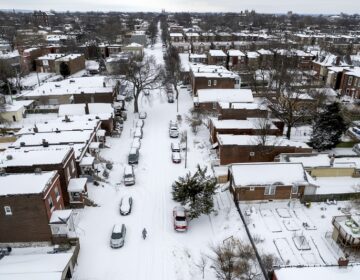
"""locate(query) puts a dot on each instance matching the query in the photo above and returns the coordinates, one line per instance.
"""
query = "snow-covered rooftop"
(245, 174)
(240, 105)
(51, 56)
(70, 57)
(77, 184)
(251, 123)
(29, 183)
(328, 273)
(251, 140)
(235, 53)
(34, 266)
(342, 184)
(310, 160)
(53, 138)
(211, 71)
(217, 53)
(252, 54)
(95, 84)
(224, 95)
(23, 157)
(79, 109)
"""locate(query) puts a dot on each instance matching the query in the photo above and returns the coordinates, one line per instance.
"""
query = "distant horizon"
(310, 7)
(159, 12)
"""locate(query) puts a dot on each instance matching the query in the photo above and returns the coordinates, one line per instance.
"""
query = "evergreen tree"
(64, 69)
(328, 128)
(196, 192)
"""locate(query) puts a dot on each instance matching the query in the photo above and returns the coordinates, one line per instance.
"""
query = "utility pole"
(186, 149)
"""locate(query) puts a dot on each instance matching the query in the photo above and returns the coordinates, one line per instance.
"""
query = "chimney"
(36, 130)
(87, 112)
(45, 143)
(104, 84)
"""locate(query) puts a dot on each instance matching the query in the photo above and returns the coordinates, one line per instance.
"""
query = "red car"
(176, 157)
(180, 218)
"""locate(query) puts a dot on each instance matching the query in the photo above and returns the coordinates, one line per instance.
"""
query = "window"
(252, 154)
(57, 193)
(7, 210)
(72, 166)
(209, 83)
(270, 190)
(214, 105)
(215, 82)
(350, 79)
(252, 188)
(68, 173)
(294, 189)
(51, 204)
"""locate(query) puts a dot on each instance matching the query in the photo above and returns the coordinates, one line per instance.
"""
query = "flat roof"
(23, 157)
(224, 95)
(245, 174)
(328, 273)
(253, 140)
(250, 123)
(62, 137)
(34, 266)
(29, 183)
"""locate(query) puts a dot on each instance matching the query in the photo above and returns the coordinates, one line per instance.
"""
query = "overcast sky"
(267, 6)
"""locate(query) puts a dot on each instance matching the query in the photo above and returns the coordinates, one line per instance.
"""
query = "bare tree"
(144, 76)
(233, 260)
(172, 62)
(7, 72)
(202, 265)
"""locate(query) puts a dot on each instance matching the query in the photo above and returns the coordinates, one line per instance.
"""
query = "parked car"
(138, 133)
(175, 147)
(133, 157)
(126, 205)
(129, 176)
(176, 157)
(170, 98)
(140, 123)
(118, 234)
(142, 115)
(173, 132)
(136, 143)
(180, 218)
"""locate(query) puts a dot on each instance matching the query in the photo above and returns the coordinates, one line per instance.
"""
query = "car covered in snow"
(176, 157)
(175, 147)
(140, 123)
(142, 115)
(180, 218)
(129, 176)
(138, 133)
(136, 144)
(173, 129)
(126, 205)
(118, 234)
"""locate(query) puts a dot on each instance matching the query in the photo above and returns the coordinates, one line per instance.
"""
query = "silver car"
(118, 234)
(126, 205)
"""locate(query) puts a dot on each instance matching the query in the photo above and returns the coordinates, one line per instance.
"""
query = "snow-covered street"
(165, 254)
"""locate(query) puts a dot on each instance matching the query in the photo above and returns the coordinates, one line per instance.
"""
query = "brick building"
(27, 202)
(240, 110)
(350, 83)
(75, 63)
(268, 181)
(250, 148)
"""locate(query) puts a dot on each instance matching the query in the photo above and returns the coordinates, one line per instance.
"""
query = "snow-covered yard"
(165, 254)
(295, 234)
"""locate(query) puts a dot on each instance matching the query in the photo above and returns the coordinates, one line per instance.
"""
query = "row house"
(75, 90)
(350, 83)
(207, 37)
(250, 126)
(61, 160)
(269, 181)
(75, 63)
(198, 58)
(200, 47)
(182, 47)
(222, 45)
(322, 64)
(28, 202)
(46, 63)
(236, 60)
(29, 56)
(192, 37)
(250, 148)
(241, 111)
(212, 76)
(217, 57)
(209, 99)
(176, 37)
